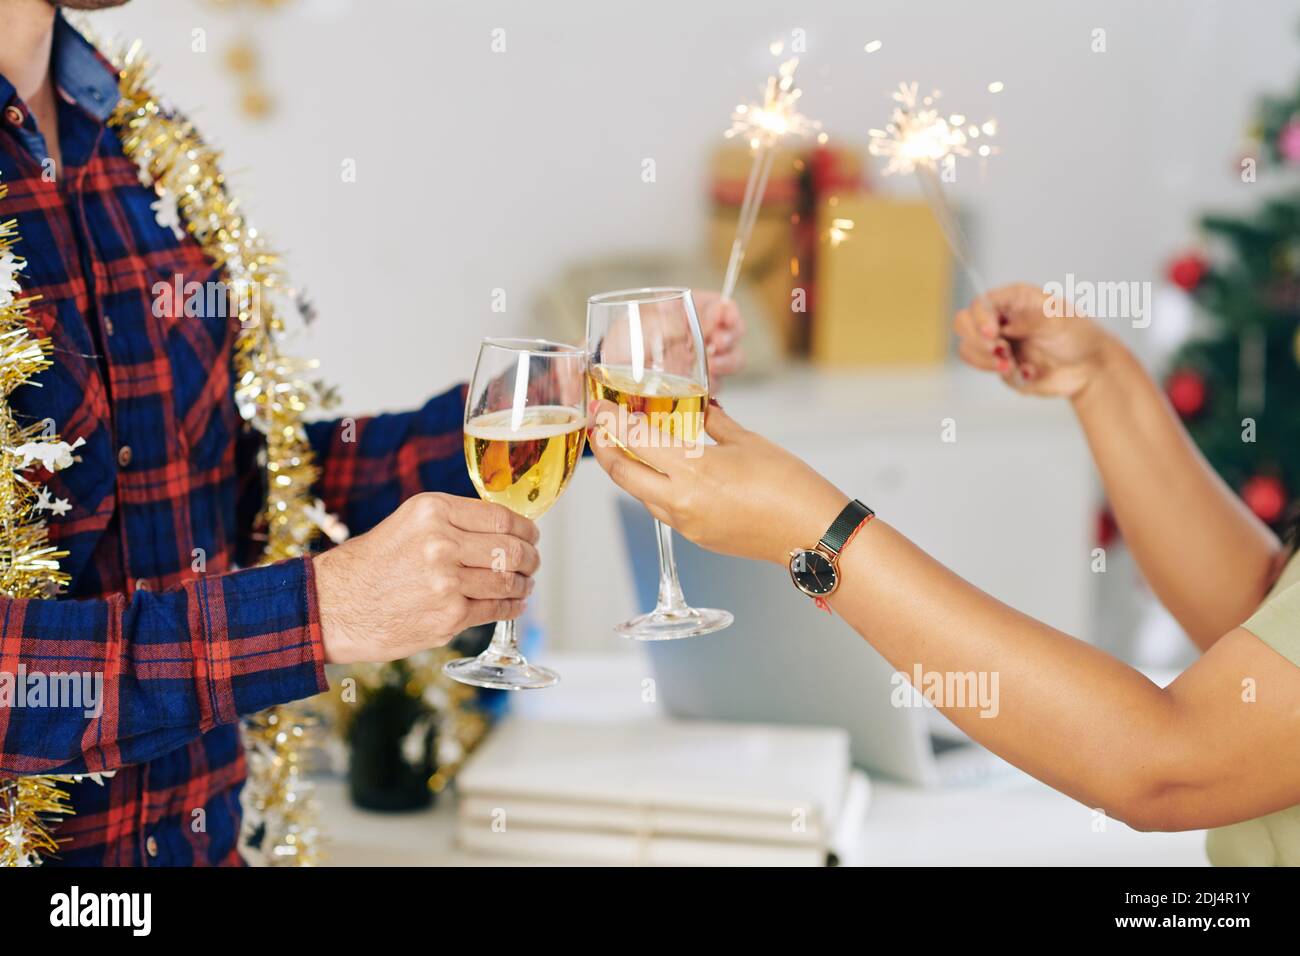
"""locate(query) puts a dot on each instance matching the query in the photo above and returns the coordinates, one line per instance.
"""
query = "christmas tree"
(1238, 389)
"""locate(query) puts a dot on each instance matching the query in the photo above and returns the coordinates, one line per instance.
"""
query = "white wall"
(479, 170)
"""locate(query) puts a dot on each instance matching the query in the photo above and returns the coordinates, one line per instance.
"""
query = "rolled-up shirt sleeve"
(155, 670)
(371, 465)
(1277, 622)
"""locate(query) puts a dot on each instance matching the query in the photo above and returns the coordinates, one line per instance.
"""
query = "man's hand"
(723, 328)
(435, 566)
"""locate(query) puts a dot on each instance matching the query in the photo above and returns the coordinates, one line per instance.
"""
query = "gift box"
(884, 283)
(780, 259)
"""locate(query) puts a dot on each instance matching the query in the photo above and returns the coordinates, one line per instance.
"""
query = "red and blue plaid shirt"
(167, 476)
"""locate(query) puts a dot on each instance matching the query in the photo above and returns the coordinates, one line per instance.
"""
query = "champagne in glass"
(526, 467)
(672, 402)
(646, 354)
(524, 433)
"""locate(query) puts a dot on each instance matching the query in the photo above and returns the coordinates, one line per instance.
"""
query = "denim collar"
(79, 73)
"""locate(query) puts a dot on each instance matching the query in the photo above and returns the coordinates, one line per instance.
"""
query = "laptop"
(785, 662)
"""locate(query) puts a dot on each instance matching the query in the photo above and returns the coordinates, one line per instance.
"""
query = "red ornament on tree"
(1266, 496)
(1186, 391)
(1187, 271)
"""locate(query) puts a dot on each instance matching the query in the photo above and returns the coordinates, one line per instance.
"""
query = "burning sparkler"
(919, 139)
(764, 125)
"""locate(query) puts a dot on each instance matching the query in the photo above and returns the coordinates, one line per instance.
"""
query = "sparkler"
(919, 139)
(764, 125)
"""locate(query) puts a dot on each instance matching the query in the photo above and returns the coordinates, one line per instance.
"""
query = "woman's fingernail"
(1003, 320)
(714, 402)
(592, 406)
(1000, 351)
(988, 331)
(1027, 371)
(1003, 366)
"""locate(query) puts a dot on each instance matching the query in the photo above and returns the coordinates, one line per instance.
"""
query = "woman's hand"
(743, 496)
(1036, 342)
(723, 328)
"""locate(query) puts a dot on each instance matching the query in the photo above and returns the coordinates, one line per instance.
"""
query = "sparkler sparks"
(919, 136)
(919, 139)
(765, 124)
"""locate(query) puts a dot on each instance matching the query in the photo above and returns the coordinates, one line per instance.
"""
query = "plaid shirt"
(167, 476)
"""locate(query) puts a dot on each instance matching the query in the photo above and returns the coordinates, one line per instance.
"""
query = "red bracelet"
(821, 602)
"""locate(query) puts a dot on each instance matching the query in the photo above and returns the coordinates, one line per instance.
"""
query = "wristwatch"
(815, 571)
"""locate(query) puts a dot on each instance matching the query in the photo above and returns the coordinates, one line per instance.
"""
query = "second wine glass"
(524, 432)
(645, 353)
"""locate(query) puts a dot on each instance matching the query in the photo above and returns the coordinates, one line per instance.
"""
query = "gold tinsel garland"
(29, 564)
(272, 394)
(28, 805)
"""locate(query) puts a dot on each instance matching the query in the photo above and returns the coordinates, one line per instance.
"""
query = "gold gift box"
(779, 258)
(884, 283)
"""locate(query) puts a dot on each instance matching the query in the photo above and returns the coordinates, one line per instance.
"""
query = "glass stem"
(505, 643)
(670, 589)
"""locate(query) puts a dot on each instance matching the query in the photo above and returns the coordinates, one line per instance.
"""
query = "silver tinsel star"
(167, 213)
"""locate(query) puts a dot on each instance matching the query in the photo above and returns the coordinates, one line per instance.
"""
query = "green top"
(1273, 840)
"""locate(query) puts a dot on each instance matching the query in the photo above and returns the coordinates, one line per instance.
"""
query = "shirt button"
(151, 847)
(108, 325)
(141, 585)
(14, 115)
(124, 455)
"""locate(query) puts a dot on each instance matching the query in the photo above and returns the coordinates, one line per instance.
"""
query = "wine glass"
(525, 424)
(645, 353)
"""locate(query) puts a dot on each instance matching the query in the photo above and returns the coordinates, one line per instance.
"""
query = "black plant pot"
(380, 776)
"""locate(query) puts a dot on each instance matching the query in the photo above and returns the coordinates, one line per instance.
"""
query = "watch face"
(812, 572)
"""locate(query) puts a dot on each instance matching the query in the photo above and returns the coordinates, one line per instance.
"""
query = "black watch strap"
(854, 513)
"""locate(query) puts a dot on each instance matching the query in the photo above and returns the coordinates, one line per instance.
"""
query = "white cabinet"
(1009, 504)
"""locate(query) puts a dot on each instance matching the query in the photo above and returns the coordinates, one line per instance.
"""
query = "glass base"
(674, 625)
(500, 672)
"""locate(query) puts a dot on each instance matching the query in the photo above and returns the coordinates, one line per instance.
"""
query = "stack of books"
(661, 793)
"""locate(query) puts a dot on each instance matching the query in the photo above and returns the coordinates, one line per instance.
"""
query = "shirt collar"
(81, 73)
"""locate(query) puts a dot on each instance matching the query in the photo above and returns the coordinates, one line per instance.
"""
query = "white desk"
(1016, 822)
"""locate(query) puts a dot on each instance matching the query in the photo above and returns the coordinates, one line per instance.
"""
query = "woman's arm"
(1208, 750)
(1206, 556)
(1208, 559)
